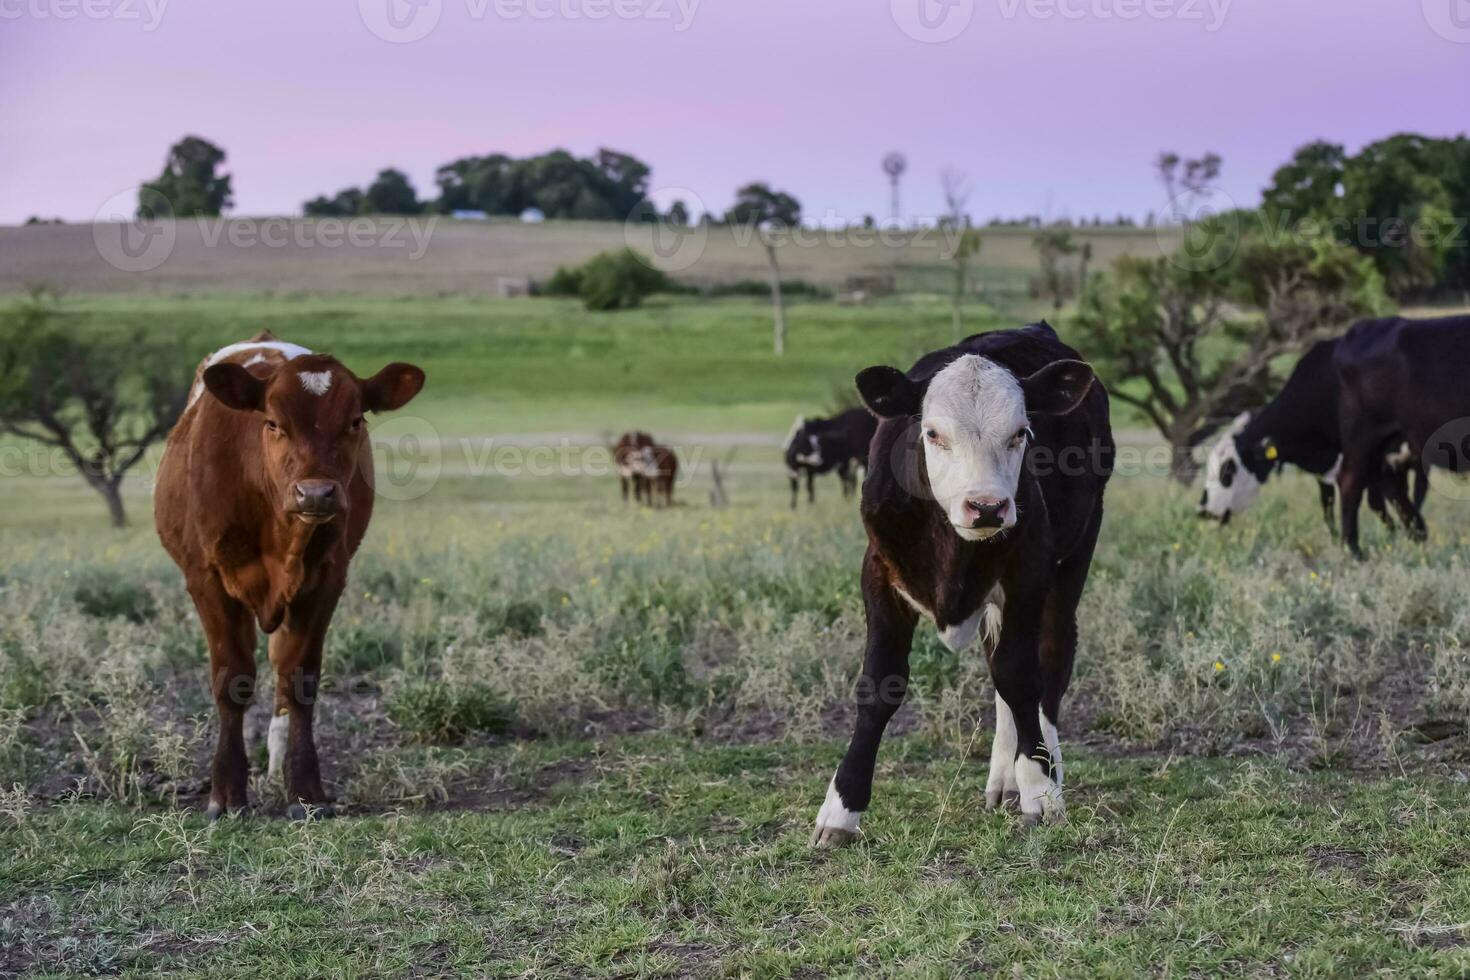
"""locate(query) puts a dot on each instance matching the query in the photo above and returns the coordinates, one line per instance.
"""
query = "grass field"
(575, 739)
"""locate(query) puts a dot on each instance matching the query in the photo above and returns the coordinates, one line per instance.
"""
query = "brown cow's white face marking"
(316, 382)
(974, 433)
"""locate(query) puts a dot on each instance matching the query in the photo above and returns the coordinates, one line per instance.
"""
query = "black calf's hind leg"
(811, 489)
(1328, 493)
(1376, 505)
(1396, 483)
(880, 691)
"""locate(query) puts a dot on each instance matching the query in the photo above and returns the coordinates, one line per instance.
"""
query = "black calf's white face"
(1230, 486)
(972, 416)
(975, 431)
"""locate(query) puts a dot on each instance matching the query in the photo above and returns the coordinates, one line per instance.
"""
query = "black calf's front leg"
(880, 691)
(1016, 669)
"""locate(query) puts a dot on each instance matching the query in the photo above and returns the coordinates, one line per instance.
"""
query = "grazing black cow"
(817, 446)
(1300, 426)
(982, 505)
(1402, 383)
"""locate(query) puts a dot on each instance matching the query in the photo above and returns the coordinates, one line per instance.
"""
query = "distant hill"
(452, 257)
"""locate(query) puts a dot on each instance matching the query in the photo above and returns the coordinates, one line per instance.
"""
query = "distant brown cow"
(628, 458)
(660, 467)
(263, 495)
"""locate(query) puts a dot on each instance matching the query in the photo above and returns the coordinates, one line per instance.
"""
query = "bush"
(433, 711)
(609, 281)
(107, 594)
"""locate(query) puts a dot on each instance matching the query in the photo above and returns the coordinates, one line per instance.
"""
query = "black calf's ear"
(391, 388)
(236, 387)
(888, 392)
(1058, 388)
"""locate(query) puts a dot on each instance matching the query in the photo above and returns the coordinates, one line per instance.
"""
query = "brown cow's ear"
(236, 387)
(391, 388)
(888, 392)
(1057, 388)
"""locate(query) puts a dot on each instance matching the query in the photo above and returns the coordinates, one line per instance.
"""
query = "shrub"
(433, 711)
(107, 594)
(609, 281)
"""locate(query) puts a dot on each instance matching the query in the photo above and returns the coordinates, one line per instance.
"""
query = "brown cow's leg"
(296, 655)
(229, 629)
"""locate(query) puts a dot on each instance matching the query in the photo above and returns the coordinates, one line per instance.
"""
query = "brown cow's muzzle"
(316, 501)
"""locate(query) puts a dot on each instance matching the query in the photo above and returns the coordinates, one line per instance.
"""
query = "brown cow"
(627, 453)
(659, 467)
(263, 495)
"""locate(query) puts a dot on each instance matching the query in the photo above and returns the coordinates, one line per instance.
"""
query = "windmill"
(894, 165)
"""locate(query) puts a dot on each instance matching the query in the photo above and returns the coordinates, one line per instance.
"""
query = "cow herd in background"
(1386, 401)
(974, 520)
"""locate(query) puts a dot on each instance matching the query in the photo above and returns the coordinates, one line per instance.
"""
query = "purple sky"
(1051, 106)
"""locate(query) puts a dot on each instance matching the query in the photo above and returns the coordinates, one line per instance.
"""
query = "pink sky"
(1051, 106)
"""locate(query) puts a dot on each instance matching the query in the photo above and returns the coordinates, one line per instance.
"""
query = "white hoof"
(275, 743)
(1039, 795)
(836, 824)
(1001, 785)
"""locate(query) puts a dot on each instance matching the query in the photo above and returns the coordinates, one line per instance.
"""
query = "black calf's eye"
(1227, 473)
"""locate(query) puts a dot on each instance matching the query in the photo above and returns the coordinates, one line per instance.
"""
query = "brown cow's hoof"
(830, 838)
(215, 812)
(310, 811)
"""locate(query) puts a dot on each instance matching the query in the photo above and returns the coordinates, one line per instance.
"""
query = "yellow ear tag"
(1271, 452)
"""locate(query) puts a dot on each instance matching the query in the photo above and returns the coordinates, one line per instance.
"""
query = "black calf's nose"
(987, 511)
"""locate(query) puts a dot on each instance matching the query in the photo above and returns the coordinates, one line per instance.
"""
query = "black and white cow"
(817, 446)
(1300, 426)
(1403, 382)
(982, 506)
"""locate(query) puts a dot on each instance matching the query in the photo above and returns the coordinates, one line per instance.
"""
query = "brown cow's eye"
(271, 426)
(357, 424)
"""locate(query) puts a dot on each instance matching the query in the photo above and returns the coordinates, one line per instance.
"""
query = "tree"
(956, 188)
(678, 214)
(1052, 245)
(390, 193)
(100, 399)
(190, 184)
(771, 213)
(1395, 201)
(345, 204)
(1186, 182)
(1190, 345)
